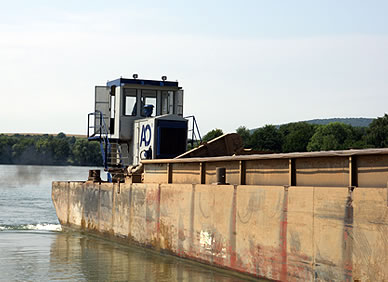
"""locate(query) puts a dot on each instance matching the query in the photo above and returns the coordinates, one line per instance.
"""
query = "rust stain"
(232, 229)
(83, 223)
(347, 251)
(192, 210)
(300, 267)
(165, 237)
(265, 261)
(283, 236)
(219, 251)
(158, 211)
(130, 211)
(181, 236)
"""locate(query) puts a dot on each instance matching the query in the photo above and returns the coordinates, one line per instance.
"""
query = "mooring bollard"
(220, 175)
(94, 175)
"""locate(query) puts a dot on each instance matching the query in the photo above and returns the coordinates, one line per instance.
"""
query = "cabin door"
(102, 104)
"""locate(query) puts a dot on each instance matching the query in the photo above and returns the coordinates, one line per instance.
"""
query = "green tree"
(19, 147)
(377, 133)
(360, 134)
(48, 150)
(23, 150)
(60, 148)
(267, 138)
(245, 135)
(212, 134)
(296, 136)
(43, 146)
(6, 144)
(86, 153)
(61, 135)
(333, 136)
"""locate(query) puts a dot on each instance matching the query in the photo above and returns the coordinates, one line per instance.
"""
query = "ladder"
(98, 131)
(115, 156)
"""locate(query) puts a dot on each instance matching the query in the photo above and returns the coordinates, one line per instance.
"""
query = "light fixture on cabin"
(135, 76)
(164, 78)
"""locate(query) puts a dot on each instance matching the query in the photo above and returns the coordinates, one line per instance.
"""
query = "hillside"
(357, 122)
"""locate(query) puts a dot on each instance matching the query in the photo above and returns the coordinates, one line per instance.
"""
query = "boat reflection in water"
(85, 257)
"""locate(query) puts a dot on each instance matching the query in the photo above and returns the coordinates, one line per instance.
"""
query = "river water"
(33, 247)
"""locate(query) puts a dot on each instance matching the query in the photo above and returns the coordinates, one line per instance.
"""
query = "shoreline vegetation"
(48, 149)
(51, 149)
(307, 136)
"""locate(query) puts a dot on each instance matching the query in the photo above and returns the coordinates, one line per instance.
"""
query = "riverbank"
(48, 149)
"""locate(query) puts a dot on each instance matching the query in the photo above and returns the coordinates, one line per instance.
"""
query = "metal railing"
(111, 152)
(195, 134)
(100, 134)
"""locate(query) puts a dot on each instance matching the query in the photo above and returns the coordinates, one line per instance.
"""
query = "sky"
(240, 63)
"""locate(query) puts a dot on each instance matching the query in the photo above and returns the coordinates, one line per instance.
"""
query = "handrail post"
(192, 134)
(101, 117)
(196, 126)
(87, 133)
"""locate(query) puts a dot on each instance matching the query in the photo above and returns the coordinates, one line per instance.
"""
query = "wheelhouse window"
(112, 106)
(167, 102)
(148, 97)
(130, 105)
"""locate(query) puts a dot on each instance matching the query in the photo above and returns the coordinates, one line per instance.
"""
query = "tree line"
(304, 137)
(292, 137)
(49, 150)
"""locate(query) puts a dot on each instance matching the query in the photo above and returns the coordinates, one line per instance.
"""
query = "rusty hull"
(292, 217)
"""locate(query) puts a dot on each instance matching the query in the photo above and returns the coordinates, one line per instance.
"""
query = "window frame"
(127, 94)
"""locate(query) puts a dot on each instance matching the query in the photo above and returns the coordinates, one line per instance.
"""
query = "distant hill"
(357, 122)
(41, 134)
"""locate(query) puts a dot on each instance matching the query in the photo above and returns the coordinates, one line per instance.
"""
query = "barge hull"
(276, 232)
(290, 217)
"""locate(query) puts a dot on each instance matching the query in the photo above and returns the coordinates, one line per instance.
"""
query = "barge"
(317, 216)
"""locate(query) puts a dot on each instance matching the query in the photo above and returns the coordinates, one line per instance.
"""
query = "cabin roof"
(123, 81)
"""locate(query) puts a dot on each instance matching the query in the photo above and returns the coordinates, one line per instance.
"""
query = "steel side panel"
(122, 209)
(212, 214)
(372, 171)
(59, 195)
(325, 172)
(300, 225)
(155, 173)
(75, 204)
(232, 172)
(370, 234)
(187, 173)
(106, 207)
(267, 172)
(329, 229)
(258, 229)
(144, 210)
(176, 233)
(91, 207)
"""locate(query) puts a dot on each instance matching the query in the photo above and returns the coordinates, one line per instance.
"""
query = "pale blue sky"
(257, 62)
